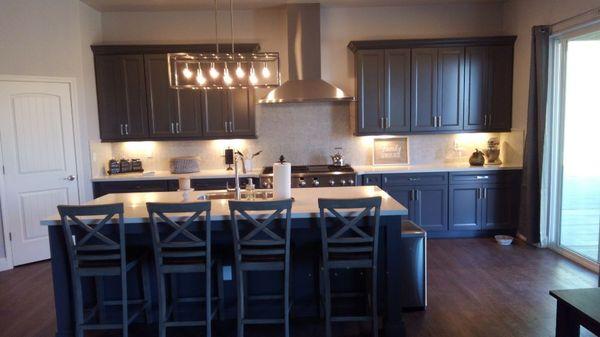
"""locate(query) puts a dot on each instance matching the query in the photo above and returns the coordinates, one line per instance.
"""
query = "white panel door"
(38, 154)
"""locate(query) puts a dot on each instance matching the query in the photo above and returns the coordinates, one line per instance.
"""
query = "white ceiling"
(167, 5)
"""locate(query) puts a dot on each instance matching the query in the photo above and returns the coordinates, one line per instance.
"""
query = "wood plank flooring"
(476, 288)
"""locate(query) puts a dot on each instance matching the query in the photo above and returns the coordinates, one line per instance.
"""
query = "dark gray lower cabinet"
(499, 206)
(465, 207)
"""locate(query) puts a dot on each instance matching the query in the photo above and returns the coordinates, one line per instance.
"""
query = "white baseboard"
(5, 264)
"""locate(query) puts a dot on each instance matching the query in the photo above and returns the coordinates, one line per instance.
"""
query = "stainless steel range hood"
(304, 52)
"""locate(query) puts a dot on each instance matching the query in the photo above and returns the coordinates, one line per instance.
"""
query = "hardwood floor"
(476, 288)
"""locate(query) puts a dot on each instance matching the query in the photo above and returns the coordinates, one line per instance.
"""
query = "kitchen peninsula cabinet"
(433, 85)
(135, 101)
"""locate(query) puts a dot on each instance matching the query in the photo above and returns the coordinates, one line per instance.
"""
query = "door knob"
(70, 178)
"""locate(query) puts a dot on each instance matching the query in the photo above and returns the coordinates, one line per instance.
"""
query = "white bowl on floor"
(504, 240)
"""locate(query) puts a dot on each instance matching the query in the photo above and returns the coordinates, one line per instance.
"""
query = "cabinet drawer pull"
(414, 179)
(482, 177)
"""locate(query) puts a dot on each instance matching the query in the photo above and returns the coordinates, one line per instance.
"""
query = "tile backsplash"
(304, 134)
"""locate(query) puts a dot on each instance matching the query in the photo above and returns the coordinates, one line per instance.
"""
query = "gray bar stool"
(261, 245)
(98, 250)
(348, 244)
(178, 249)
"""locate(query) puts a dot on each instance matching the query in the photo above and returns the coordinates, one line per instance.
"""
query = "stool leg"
(162, 305)
(327, 285)
(173, 289)
(147, 292)
(208, 296)
(220, 290)
(286, 302)
(78, 307)
(240, 304)
(374, 302)
(100, 297)
(125, 317)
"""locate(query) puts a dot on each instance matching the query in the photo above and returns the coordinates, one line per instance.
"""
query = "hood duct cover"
(304, 53)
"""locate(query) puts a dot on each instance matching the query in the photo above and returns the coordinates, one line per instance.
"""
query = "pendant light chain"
(216, 27)
(231, 19)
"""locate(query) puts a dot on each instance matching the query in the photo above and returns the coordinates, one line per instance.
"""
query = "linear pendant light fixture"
(223, 70)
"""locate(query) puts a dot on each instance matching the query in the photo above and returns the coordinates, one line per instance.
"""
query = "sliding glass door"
(576, 142)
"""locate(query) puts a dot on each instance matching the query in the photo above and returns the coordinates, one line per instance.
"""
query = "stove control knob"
(331, 182)
(315, 182)
(343, 182)
(302, 183)
(351, 182)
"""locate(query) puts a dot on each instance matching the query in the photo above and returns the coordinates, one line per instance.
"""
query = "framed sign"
(390, 151)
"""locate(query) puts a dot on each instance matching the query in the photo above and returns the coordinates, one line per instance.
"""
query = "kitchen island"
(305, 250)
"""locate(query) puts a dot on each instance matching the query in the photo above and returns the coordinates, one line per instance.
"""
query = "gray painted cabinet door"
(465, 207)
(498, 206)
(370, 91)
(397, 90)
(241, 112)
(215, 114)
(431, 211)
(450, 88)
(404, 195)
(121, 91)
(172, 113)
(476, 108)
(424, 86)
(500, 71)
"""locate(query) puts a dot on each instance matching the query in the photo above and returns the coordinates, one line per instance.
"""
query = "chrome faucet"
(237, 189)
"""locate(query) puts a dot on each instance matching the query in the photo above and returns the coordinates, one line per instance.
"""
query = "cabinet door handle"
(412, 194)
(177, 127)
(485, 193)
(230, 126)
(226, 129)
(485, 119)
(490, 119)
(481, 177)
(381, 125)
(439, 121)
(388, 123)
(121, 127)
(127, 129)
(172, 127)
(478, 193)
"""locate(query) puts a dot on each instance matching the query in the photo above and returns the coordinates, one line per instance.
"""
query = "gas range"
(314, 176)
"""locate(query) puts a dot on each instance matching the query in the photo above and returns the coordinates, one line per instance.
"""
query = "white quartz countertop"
(427, 168)
(305, 203)
(166, 175)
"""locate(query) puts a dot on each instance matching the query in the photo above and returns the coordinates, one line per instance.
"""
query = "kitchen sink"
(258, 195)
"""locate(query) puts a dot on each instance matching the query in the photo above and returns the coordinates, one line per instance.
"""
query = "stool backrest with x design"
(261, 239)
(352, 237)
(177, 236)
(94, 243)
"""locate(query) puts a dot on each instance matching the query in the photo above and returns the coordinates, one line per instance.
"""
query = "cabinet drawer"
(371, 180)
(102, 188)
(494, 177)
(414, 179)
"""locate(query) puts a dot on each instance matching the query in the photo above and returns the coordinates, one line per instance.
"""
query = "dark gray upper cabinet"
(370, 91)
(397, 90)
(500, 89)
(455, 84)
(135, 101)
(489, 77)
(229, 113)
(121, 91)
(450, 86)
(424, 82)
(172, 113)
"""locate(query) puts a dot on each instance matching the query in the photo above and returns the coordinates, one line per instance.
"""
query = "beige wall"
(307, 133)
(519, 17)
(52, 38)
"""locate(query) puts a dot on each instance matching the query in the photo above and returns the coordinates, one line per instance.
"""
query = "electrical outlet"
(227, 274)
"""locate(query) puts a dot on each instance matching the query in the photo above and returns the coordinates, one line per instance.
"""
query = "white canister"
(282, 180)
(185, 183)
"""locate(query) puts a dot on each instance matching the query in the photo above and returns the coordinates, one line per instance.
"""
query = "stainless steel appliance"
(314, 176)
(414, 266)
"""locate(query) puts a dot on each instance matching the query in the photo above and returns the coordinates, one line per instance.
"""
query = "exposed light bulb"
(252, 77)
(187, 73)
(239, 72)
(226, 77)
(200, 77)
(214, 73)
(266, 73)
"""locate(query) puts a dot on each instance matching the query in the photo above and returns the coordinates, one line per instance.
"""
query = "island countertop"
(305, 202)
